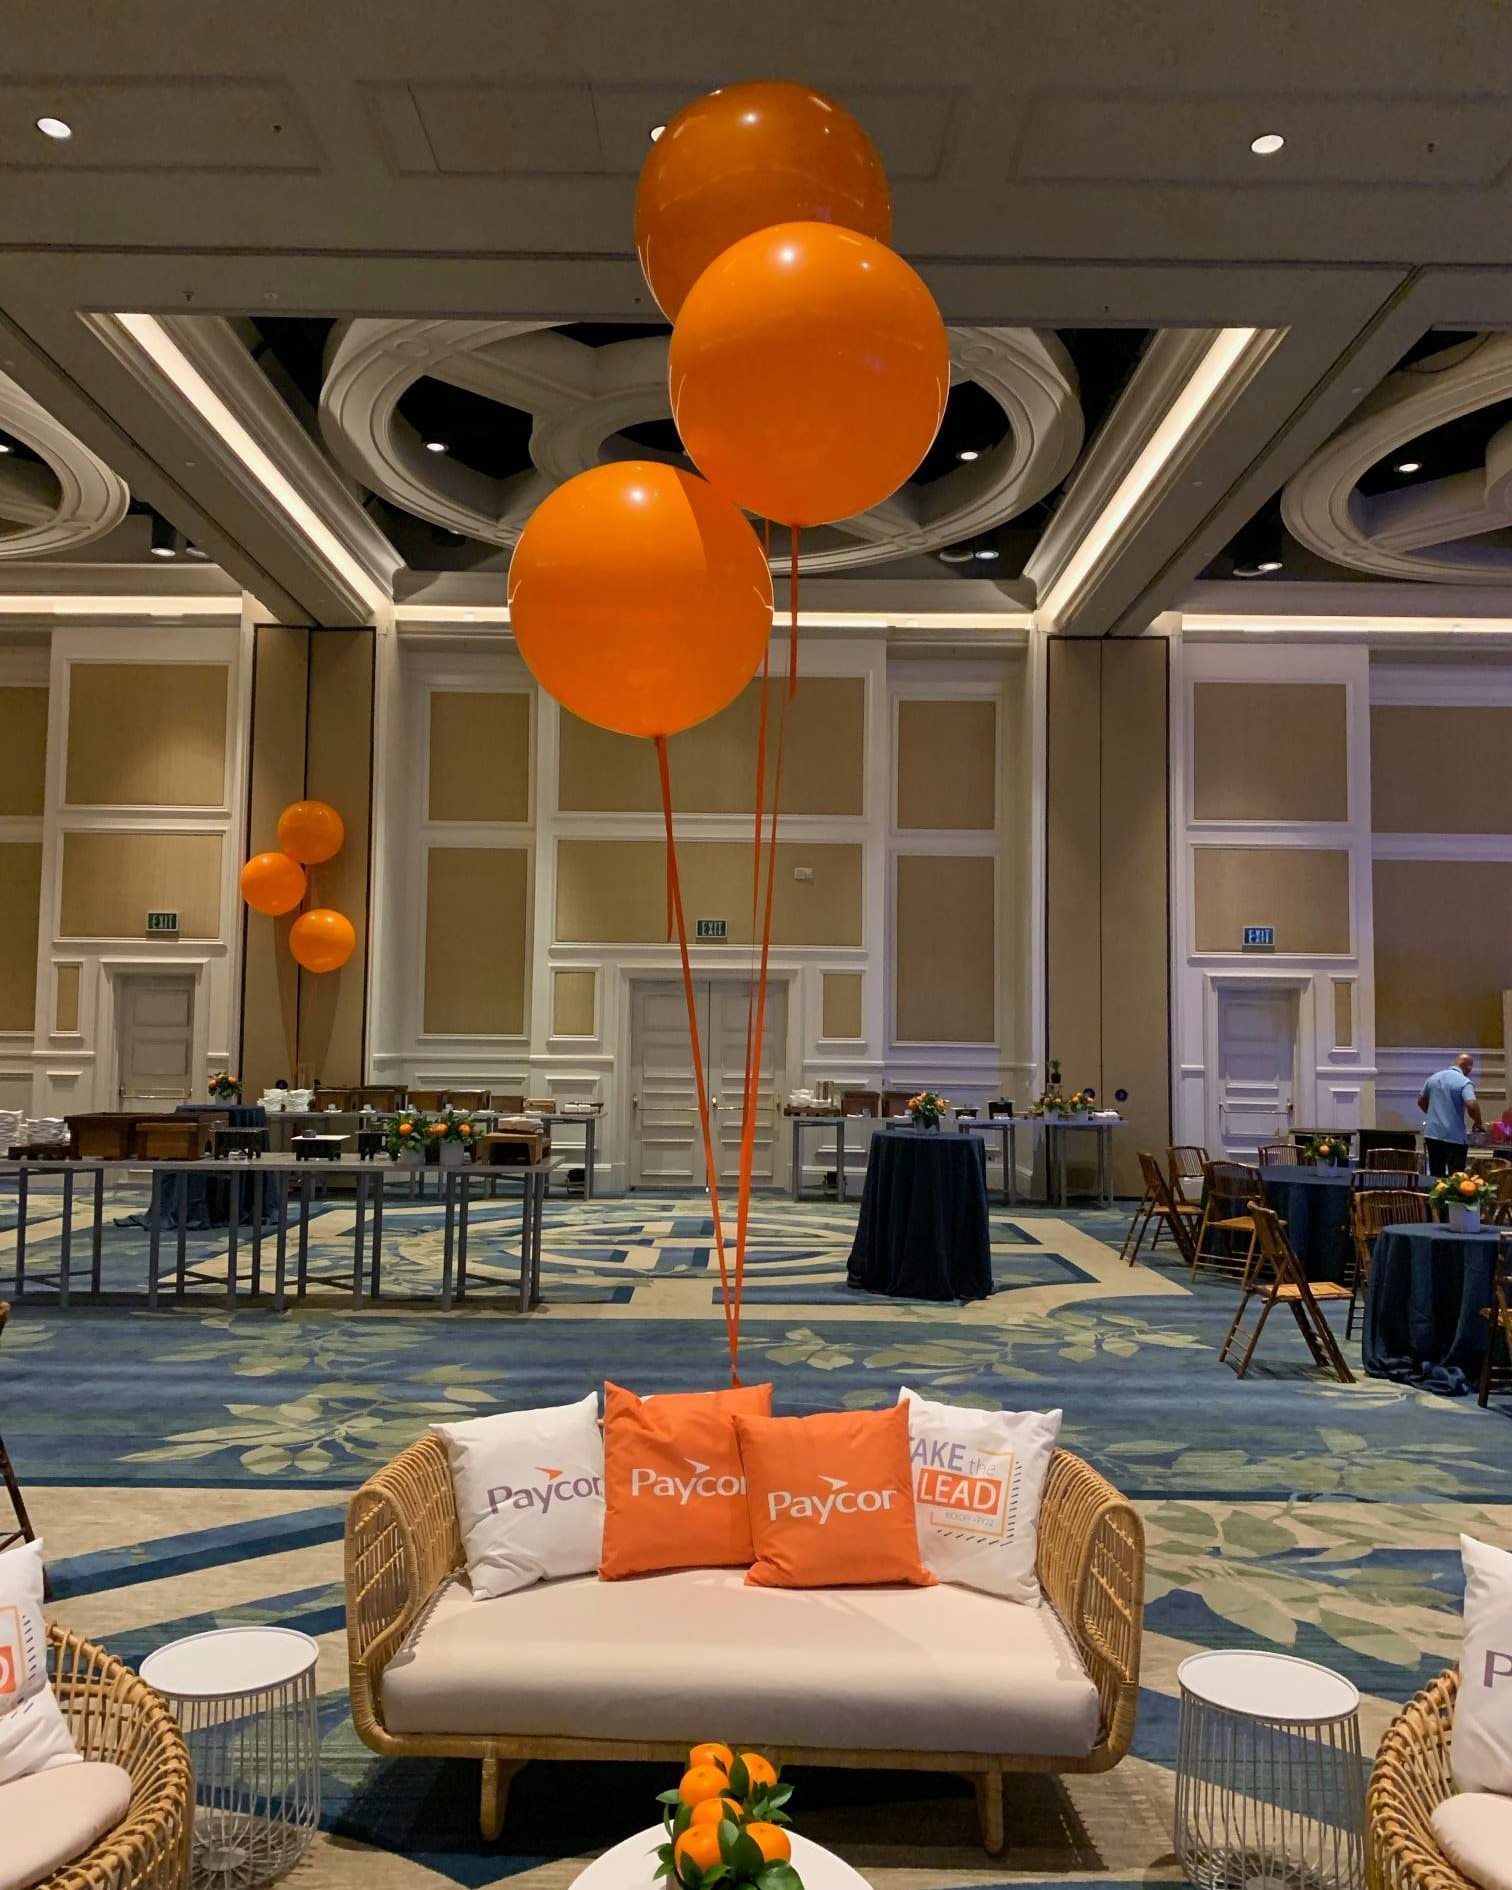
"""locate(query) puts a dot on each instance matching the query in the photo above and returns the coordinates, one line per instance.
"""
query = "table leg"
(464, 1201)
(255, 1210)
(302, 1264)
(447, 1238)
(359, 1240)
(527, 1205)
(840, 1158)
(67, 1255)
(183, 1236)
(796, 1180)
(154, 1234)
(535, 1261)
(377, 1261)
(590, 1154)
(281, 1240)
(233, 1231)
(22, 1190)
(99, 1228)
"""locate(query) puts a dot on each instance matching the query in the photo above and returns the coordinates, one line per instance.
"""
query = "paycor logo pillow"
(530, 1494)
(1480, 1754)
(978, 1477)
(34, 1735)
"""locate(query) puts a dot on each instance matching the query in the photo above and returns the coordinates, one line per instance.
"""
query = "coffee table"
(631, 1866)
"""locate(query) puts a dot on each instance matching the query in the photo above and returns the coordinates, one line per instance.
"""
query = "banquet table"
(206, 1189)
(1428, 1288)
(1314, 1203)
(922, 1232)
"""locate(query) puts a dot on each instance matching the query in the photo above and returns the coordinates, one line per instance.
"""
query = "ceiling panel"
(496, 128)
(200, 124)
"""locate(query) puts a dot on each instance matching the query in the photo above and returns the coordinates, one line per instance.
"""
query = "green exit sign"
(162, 922)
(712, 928)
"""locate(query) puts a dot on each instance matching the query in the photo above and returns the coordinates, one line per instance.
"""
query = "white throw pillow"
(978, 1480)
(530, 1494)
(1480, 1753)
(34, 1735)
(1474, 1830)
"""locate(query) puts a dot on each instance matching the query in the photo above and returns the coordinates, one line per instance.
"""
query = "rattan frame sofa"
(117, 1718)
(403, 1544)
(1409, 1779)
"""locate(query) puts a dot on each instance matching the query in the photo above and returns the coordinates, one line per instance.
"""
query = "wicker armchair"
(402, 1541)
(117, 1718)
(1410, 1777)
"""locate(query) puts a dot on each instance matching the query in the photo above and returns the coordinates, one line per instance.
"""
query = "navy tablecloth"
(922, 1232)
(1314, 1203)
(1428, 1288)
(209, 1193)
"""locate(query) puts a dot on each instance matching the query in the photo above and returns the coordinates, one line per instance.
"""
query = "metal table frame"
(800, 1123)
(1006, 1127)
(69, 1170)
(1056, 1129)
(456, 1196)
(589, 1125)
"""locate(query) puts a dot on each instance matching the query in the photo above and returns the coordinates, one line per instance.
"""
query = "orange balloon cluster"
(309, 833)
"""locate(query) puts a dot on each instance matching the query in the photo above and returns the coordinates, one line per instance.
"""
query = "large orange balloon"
(741, 159)
(311, 831)
(273, 883)
(809, 370)
(639, 598)
(322, 940)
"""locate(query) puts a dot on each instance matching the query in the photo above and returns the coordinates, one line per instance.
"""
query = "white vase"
(452, 1154)
(411, 1158)
(1464, 1218)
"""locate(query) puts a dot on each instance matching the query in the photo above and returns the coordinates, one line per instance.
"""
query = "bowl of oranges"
(725, 1823)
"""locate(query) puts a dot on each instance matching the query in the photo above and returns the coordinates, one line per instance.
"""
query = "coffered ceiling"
(285, 250)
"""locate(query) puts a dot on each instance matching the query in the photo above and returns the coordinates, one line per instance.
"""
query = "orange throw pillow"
(674, 1489)
(831, 1500)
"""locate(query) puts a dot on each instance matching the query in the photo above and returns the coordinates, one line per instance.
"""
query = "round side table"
(245, 1698)
(631, 1866)
(1270, 1785)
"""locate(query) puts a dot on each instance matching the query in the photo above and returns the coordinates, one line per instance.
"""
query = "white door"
(154, 1041)
(666, 1146)
(1257, 1060)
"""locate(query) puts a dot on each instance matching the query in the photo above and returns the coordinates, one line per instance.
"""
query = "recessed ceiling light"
(162, 541)
(1409, 465)
(956, 554)
(162, 551)
(193, 551)
(1267, 144)
(54, 128)
(3, 447)
(986, 554)
(969, 454)
(435, 446)
(656, 132)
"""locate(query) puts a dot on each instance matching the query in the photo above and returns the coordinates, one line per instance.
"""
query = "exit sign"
(162, 922)
(1259, 938)
(711, 928)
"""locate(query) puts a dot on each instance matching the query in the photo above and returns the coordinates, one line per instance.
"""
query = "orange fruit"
(699, 1845)
(700, 1782)
(713, 1809)
(776, 1845)
(762, 1771)
(1467, 1187)
(712, 1752)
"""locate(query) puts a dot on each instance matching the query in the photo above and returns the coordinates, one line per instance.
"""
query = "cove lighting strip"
(24, 604)
(807, 619)
(1199, 623)
(1224, 353)
(170, 360)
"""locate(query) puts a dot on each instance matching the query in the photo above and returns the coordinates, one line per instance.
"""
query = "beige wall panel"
(147, 734)
(479, 756)
(714, 765)
(66, 1008)
(23, 750)
(1343, 1013)
(332, 1007)
(947, 764)
(1436, 770)
(20, 898)
(112, 880)
(270, 978)
(1270, 751)
(573, 995)
(476, 940)
(615, 891)
(1443, 951)
(946, 942)
(842, 1004)
(1135, 971)
(1074, 843)
(1302, 891)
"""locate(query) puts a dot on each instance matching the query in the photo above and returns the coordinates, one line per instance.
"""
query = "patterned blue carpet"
(189, 1468)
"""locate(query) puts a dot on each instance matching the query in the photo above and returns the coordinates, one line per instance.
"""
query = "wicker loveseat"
(1079, 1672)
(117, 1718)
(1410, 1777)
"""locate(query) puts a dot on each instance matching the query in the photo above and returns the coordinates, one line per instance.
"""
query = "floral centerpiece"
(404, 1137)
(1460, 1198)
(1329, 1150)
(452, 1134)
(926, 1109)
(725, 1824)
(224, 1087)
(1082, 1102)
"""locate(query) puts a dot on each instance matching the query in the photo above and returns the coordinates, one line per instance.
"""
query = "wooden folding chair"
(1498, 1212)
(1228, 1189)
(1186, 1162)
(1159, 1207)
(1275, 1277)
(1371, 1209)
(1270, 1153)
(1392, 1161)
(23, 1531)
(1498, 1313)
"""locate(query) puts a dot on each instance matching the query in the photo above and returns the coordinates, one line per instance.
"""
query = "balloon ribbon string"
(761, 736)
(792, 688)
(705, 1120)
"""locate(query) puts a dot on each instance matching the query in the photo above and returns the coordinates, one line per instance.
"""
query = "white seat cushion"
(940, 1669)
(50, 1818)
(1474, 1830)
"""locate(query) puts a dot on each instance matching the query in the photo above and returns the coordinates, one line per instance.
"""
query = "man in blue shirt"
(1448, 1097)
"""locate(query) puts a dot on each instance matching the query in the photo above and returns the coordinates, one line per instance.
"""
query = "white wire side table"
(1270, 1784)
(245, 1698)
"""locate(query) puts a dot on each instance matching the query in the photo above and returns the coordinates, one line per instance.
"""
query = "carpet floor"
(188, 1468)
